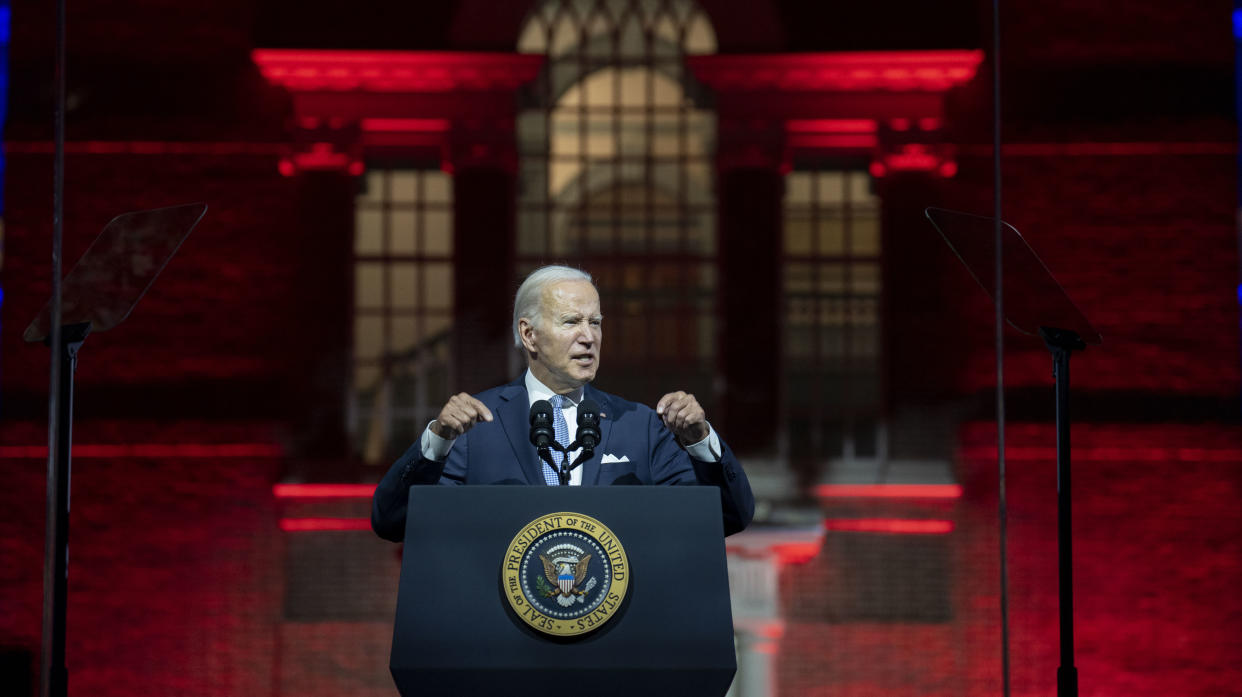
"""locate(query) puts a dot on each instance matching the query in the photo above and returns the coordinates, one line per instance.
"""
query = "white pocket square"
(609, 457)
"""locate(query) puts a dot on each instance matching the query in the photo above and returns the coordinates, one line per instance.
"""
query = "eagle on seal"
(565, 576)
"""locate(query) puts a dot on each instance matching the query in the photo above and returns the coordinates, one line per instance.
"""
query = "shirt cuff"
(708, 449)
(434, 447)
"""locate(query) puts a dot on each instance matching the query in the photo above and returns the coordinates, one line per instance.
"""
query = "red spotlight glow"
(321, 524)
(796, 552)
(889, 491)
(892, 526)
(1108, 454)
(913, 158)
(1093, 149)
(324, 157)
(147, 147)
(150, 450)
(830, 126)
(395, 71)
(323, 491)
(928, 71)
(854, 141)
(406, 125)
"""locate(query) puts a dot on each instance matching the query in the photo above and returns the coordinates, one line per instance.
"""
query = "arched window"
(616, 141)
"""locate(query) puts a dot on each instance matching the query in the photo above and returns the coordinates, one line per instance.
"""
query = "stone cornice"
(883, 71)
(299, 70)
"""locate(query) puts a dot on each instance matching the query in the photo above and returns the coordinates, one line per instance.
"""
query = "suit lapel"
(590, 474)
(514, 416)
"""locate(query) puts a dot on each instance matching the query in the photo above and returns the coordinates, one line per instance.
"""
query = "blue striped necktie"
(562, 436)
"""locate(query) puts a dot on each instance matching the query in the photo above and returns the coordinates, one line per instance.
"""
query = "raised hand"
(459, 415)
(683, 416)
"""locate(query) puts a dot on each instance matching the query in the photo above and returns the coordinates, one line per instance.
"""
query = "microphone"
(542, 436)
(588, 432)
(588, 425)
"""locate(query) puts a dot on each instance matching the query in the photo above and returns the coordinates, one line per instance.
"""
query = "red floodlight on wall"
(323, 491)
(891, 526)
(322, 157)
(348, 104)
(323, 524)
(884, 105)
(831, 134)
(889, 491)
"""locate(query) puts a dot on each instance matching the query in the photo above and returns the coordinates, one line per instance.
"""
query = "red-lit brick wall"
(1157, 543)
(179, 574)
(1065, 32)
(175, 579)
(179, 571)
(214, 335)
(1145, 244)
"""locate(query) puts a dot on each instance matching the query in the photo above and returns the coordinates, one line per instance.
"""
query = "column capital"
(486, 143)
(349, 72)
(838, 71)
(751, 143)
(913, 146)
(893, 146)
(324, 145)
(882, 106)
(425, 104)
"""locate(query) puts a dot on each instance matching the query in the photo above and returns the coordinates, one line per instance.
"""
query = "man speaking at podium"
(488, 439)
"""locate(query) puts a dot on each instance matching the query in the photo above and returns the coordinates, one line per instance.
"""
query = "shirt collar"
(536, 390)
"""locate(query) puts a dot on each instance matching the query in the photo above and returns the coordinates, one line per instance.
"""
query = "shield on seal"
(565, 580)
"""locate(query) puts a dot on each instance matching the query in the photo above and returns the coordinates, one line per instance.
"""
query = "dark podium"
(457, 631)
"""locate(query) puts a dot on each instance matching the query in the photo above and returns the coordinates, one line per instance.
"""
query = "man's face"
(564, 345)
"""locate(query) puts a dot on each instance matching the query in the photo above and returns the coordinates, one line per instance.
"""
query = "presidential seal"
(565, 574)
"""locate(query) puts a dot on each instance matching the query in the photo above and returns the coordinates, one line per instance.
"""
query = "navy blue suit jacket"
(500, 452)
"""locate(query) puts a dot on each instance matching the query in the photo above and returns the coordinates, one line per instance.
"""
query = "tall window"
(616, 142)
(832, 316)
(403, 304)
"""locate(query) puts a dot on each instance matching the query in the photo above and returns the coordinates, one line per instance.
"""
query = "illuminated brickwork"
(1120, 168)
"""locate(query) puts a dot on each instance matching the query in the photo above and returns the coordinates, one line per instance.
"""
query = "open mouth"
(586, 359)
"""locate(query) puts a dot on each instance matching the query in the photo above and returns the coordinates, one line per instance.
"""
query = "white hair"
(530, 294)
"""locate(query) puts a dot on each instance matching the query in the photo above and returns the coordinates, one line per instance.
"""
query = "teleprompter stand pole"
(1042, 307)
(56, 562)
(97, 295)
(1062, 343)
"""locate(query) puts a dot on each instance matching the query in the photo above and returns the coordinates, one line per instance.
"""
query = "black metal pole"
(998, 237)
(1062, 344)
(56, 674)
(1067, 674)
(53, 677)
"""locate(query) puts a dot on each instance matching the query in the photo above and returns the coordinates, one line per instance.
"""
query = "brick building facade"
(246, 361)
